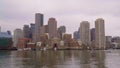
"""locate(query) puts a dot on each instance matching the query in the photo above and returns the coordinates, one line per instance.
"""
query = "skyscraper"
(46, 28)
(52, 27)
(18, 33)
(85, 32)
(76, 35)
(79, 33)
(26, 31)
(100, 33)
(42, 30)
(32, 31)
(92, 32)
(61, 30)
(38, 24)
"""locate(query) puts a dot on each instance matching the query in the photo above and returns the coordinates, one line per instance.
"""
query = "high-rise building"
(18, 33)
(77, 34)
(99, 33)
(52, 28)
(32, 31)
(85, 32)
(108, 41)
(61, 30)
(42, 30)
(26, 31)
(46, 28)
(38, 24)
(92, 32)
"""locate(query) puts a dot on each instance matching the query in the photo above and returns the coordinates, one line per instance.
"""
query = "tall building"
(79, 33)
(61, 30)
(42, 30)
(38, 24)
(92, 32)
(85, 32)
(18, 33)
(100, 33)
(32, 31)
(46, 28)
(52, 28)
(26, 31)
(76, 35)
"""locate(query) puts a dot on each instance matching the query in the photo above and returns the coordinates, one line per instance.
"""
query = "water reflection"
(59, 59)
(71, 59)
(98, 59)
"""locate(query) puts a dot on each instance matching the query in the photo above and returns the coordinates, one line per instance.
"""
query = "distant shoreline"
(52, 49)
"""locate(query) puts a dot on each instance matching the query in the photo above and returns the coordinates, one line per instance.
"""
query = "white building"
(85, 32)
(100, 33)
(18, 33)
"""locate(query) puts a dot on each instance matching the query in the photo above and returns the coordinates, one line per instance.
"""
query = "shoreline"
(53, 49)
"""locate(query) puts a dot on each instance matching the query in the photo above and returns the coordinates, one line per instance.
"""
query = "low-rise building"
(22, 43)
(6, 40)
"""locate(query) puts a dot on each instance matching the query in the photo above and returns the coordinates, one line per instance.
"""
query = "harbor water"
(60, 59)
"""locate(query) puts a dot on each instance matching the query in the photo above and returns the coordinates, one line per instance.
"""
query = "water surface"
(60, 59)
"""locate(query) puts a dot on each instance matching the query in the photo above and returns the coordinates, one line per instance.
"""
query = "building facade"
(108, 41)
(18, 33)
(76, 35)
(92, 33)
(42, 30)
(26, 31)
(85, 32)
(32, 31)
(100, 33)
(38, 23)
(46, 28)
(67, 38)
(5, 40)
(52, 28)
(61, 30)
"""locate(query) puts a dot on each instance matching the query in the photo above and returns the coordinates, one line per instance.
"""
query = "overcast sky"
(15, 13)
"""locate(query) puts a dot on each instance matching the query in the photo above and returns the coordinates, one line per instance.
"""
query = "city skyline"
(69, 14)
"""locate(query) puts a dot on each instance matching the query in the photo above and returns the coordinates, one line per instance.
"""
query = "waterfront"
(60, 59)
